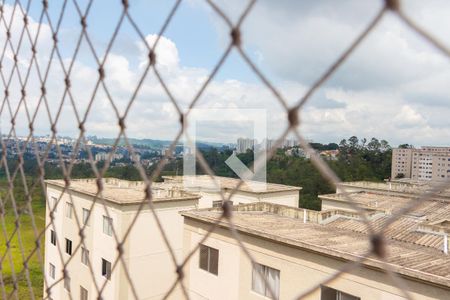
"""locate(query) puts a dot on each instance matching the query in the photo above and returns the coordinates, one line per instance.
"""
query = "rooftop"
(124, 191)
(423, 225)
(341, 234)
(391, 203)
(227, 183)
(402, 186)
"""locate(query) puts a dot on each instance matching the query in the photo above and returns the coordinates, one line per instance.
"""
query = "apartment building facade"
(426, 163)
(296, 250)
(93, 264)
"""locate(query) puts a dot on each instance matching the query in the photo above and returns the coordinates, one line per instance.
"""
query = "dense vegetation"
(22, 249)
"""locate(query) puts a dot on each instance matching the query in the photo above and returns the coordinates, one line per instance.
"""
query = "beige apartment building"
(426, 163)
(295, 250)
(92, 265)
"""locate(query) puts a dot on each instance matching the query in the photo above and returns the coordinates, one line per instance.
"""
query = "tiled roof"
(411, 253)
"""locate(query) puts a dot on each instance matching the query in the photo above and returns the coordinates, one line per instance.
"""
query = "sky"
(395, 86)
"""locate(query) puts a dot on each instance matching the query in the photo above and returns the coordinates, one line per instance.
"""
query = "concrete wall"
(150, 263)
(329, 204)
(299, 271)
(209, 286)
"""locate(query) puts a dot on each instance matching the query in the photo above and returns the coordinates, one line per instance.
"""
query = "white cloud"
(394, 87)
(409, 118)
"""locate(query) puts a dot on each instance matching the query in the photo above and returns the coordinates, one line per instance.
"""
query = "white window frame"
(52, 237)
(67, 283)
(219, 203)
(84, 293)
(69, 249)
(209, 263)
(51, 270)
(106, 269)
(84, 256)
(338, 295)
(262, 276)
(86, 213)
(69, 210)
(53, 203)
(107, 225)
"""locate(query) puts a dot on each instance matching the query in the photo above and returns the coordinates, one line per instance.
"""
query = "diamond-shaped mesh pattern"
(20, 61)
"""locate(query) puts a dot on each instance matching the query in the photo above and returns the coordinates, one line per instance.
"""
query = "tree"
(353, 143)
(384, 146)
(374, 145)
(406, 146)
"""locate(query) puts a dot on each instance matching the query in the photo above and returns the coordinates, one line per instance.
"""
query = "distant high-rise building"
(244, 144)
(426, 163)
(289, 143)
(270, 143)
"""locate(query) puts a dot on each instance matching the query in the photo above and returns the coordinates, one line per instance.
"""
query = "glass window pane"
(67, 283)
(84, 256)
(85, 216)
(83, 293)
(52, 237)
(273, 282)
(106, 268)
(107, 225)
(344, 296)
(52, 271)
(257, 281)
(203, 262)
(69, 210)
(328, 293)
(213, 261)
(53, 203)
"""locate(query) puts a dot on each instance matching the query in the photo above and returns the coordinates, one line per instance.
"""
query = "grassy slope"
(28, 240)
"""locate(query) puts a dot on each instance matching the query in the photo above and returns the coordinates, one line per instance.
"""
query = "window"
(67, 283)
(53, 203)
(106, 268)
(84, 255)
(209, 259)
(266, 280)
(52, 237)
(86, 216)
(83, 293)
(328, 293)
(51, 270)
(69, 209)
(68, 246)
(218, 203)
(107, 225)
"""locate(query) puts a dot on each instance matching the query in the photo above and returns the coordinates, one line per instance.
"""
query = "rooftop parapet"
(123, 191)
